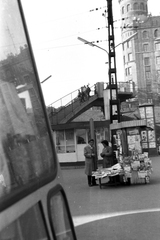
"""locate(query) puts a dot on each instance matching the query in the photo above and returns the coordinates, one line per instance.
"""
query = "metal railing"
(63, 106)
(68, 103)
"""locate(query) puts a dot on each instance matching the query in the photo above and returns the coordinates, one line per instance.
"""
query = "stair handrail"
(63, 97)
(50, 105)
(69, 103)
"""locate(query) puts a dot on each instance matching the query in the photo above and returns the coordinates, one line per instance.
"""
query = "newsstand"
(134, 165)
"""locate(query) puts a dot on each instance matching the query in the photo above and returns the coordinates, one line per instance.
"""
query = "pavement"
(114, 212)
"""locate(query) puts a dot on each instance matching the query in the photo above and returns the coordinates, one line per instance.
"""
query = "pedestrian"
(79, 95)
(89, 153)
(83, 93)
(88, 90)
(106, 154)
(95, 89)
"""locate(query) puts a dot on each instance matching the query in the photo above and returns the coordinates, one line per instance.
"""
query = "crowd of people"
(84, 93)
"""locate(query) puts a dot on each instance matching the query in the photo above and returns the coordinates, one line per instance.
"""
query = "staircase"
(65, 109)
(66, 113)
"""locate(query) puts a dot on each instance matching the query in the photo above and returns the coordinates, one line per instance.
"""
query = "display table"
(123, 174)
(113, 175)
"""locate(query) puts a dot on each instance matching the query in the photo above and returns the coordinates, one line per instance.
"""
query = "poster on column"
(149, 112)
(144, 136)
(151, 136)
(152, 144)
(150, 123)
(142, 112)
(145, 145)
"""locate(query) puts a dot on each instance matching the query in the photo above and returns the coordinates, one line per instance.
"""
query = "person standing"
(89, 153)
(106, 154)
(88, 90)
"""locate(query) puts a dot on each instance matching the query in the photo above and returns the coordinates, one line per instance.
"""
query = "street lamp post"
(91, 44)
(46, 79)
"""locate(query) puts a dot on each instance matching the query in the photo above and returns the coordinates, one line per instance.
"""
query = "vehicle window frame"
(18, 194)
(51, 194)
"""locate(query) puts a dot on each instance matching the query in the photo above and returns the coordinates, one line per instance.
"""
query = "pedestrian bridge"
(65, 109)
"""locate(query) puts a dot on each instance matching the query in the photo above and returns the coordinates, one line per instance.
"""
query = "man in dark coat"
(106, 154)
(89, 153)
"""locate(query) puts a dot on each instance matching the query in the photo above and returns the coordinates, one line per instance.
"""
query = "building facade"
(141, 54)
(71, 138)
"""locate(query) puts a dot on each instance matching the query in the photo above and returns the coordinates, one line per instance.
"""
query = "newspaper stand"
(134, 165)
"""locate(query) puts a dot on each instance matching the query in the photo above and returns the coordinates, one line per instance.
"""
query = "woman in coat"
(106, 154)
(89, 153)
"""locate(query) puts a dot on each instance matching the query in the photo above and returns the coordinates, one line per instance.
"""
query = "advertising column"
(148, 135)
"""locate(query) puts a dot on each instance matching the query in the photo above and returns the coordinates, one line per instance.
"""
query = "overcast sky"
(54, 27)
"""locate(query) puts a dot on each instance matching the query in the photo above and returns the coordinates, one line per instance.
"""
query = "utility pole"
(114, 101)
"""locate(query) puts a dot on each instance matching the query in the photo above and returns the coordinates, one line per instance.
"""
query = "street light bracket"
(91, 44)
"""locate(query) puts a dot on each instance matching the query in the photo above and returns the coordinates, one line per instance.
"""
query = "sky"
(54, 27)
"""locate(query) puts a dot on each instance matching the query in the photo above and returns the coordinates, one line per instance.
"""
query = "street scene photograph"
(79, 120)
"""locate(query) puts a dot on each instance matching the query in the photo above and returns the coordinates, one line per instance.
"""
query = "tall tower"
(141, 54)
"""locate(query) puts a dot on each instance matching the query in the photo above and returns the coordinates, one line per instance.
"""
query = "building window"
(135, 6)
(156, 33)
(147, 68)
(123, 10)
(128, 7)
(128, 44)
(146, 47)
(27, 79)
(129, 71)
(145, 34)
(65, 141)
(142, 6)
(148, 75)
(81, 136)
(60, 142)
(130, 57)
(158, 60)
(124, 59)
(149, 87)
(146, 61)
(70, 146)
(157, 46)
(123, 46)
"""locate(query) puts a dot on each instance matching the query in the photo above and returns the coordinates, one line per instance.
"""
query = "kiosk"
(134, 165)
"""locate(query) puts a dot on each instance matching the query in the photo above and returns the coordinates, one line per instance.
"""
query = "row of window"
(145, 49)
(128, 45)
(145, 34)
(136, 6)
(128, 71)
(147, 61)
(148, 73)
(66, 140)
(130, 58)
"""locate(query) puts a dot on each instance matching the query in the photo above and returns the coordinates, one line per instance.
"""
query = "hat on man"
(105, 142)
(91, 140)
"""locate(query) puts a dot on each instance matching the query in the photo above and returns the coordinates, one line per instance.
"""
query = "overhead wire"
(76, 14)
(97, 29)
(71, 45)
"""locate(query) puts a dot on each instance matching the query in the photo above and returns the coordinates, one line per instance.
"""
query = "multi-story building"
(141, 54)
